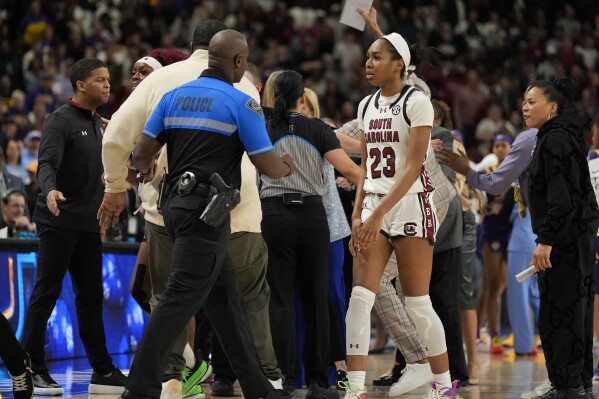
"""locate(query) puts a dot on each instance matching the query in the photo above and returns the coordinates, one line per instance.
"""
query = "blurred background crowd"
(483, 55)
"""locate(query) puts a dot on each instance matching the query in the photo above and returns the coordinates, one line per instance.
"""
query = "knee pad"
(429, 326)
(357, 321)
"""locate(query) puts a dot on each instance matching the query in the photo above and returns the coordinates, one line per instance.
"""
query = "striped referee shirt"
(306, 140)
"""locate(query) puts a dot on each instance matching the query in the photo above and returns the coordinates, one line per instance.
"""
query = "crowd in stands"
(482, 57)
(483, 54)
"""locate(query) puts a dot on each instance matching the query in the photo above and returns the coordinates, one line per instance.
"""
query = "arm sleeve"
(122, 133)
(350, 129)
(562, 176)
(360, 112)
(155, 127)
(54, 139)
(420, 110)
(514, 164)
(252, 128)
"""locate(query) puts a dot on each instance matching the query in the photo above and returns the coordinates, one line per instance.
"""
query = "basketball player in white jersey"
(394, 213)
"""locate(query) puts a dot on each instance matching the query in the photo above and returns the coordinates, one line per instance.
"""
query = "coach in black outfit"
(69, 176)
(296, 231)
(565, 216)
(207, 124)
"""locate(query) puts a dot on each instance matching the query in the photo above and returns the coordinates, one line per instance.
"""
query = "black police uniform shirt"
(207, 124)
(70, 161)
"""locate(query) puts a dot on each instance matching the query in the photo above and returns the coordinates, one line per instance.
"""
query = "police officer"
(207, 124)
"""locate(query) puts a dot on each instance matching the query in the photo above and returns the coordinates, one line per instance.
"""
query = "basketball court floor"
(502, 377)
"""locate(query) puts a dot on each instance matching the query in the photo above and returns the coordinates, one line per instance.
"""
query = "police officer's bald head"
(228, 52)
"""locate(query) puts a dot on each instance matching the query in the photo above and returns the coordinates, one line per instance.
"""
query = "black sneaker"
(388, 380)
(114, 384)
(462, 381)
(222, 387)
(127, 394)
(289, 389)
(276, 394)
(318, 392)
(43, 384)
(22, 385)
(589, 392)
(341, 377)
(566, 393)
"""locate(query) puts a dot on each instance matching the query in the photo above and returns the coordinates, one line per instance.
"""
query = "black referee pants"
(445, 295)
(202, 275)
(298, 261)
(79, 253)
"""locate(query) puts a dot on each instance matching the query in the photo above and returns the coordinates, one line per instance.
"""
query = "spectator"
(14, 216)
(470, 104)
(490, 126)
(33, 23)
(36, 116)
(13, 163)
(43, 91)
(8, 131)
(31, 148)
(17, 111)
(347, 51)
(8, 181)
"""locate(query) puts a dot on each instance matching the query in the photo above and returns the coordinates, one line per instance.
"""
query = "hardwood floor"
(502, 377)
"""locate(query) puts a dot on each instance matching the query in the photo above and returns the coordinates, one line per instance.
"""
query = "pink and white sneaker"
(439, 391)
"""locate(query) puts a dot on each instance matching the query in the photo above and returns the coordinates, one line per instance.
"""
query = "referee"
(296, 231)
(207, 124)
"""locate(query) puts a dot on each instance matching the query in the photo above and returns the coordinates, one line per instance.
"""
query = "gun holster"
(224, 199)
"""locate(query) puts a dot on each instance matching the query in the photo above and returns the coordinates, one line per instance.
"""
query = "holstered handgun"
(161, 192)
(223, 201)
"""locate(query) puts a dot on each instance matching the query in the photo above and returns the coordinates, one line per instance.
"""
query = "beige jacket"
(126, 125)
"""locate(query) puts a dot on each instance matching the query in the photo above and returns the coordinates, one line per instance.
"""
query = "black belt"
(202, 189)
(307, 199)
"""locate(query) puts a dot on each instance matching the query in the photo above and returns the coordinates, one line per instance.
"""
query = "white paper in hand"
(350, 16)
(526, 274)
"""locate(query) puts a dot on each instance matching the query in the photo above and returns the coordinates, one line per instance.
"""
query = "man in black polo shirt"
(69, 176)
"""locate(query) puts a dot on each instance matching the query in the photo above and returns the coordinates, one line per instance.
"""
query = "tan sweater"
(126, 125)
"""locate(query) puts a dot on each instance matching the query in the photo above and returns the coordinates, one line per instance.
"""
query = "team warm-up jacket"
(70, 161)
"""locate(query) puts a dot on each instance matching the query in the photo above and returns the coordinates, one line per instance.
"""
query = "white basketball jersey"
(386, 132)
